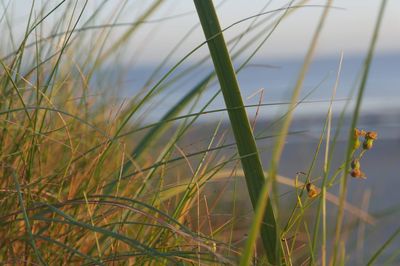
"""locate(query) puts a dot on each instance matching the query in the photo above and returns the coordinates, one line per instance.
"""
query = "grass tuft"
(89, 178)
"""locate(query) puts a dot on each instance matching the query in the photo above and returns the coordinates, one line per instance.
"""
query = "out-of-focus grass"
(85, 179)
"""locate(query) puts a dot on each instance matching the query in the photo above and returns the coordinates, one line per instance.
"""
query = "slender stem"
(245, 141)
(343, 183)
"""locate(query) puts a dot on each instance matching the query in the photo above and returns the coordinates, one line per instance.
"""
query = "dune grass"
(86, 179)
(244, 138)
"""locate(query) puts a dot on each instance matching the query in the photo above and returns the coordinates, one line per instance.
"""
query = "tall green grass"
(245, 141)
(87, 180)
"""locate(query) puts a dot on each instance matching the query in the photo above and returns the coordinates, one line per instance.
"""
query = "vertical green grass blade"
(364, 78)
(245, 142)
(278, 148)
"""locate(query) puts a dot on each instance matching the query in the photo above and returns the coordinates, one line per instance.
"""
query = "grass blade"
(343, 183)
(382, 248)
(27, 222)
(246, 144)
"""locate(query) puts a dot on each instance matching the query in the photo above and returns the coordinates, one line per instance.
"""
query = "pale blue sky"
(348, 30)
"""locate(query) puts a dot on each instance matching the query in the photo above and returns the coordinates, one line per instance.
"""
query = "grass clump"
(86, 179)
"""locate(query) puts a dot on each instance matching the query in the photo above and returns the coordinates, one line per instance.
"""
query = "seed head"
(371, 135)
(357, 173)
(359, 133)
(368, 143)
(312, 191)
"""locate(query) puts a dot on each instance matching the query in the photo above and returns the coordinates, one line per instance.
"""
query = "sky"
(348, 28)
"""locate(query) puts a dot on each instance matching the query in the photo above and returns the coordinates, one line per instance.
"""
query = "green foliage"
(245, 141)
(85, 179)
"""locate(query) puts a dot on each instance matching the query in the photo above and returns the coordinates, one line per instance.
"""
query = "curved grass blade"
(132, 242)
(27, 222)
(71, 250)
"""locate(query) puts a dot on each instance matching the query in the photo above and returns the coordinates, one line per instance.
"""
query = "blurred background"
(129, 65)
(173, 31)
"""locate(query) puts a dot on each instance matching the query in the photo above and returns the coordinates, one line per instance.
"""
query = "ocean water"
(272, 81)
